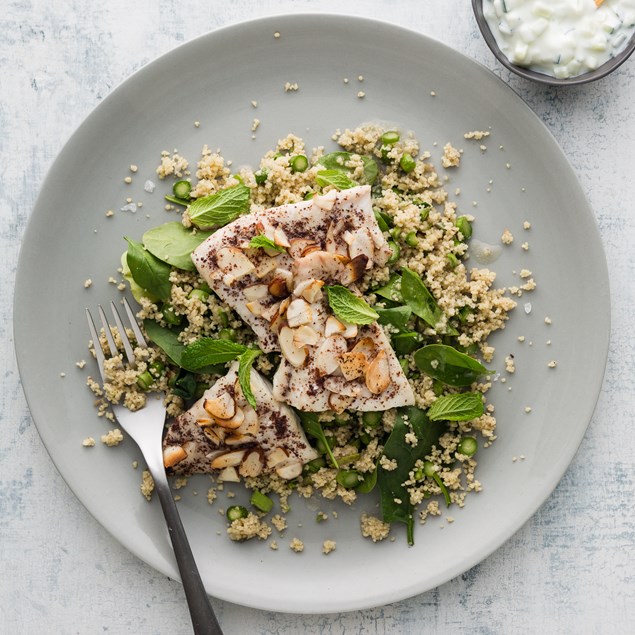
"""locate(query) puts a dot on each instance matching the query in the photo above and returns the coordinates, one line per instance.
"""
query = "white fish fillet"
(203, 440)
(331, 239)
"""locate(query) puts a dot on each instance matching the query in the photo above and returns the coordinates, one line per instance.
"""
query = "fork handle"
(204, 621)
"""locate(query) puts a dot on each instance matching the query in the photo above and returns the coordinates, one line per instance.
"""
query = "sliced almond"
(339, 403)
(204, 421)
(236, 438)
(250, 425)
(235, 422)
(173, 454)
(271, 312)
(278, 288)
(275, 457)
(266, 266)
(354, 269)
(256, 307)
(233, 262)
(320, 265)
(325, 202)
(328, 354)
(227, 459)
(294, 355)
(378, 374)
(264, 227)
(334, 242)
(229, 475)
(343, 387)
(353, 365)
(221, 407)
(361, 243)
(280, 238)
(299, 313)
(333, 326)
(305, 336)
(256, 292)
(289, 470)
(350, 332)
(215, 434)
(366, 346)
(299, 247)
(310, 290)
(252, 464)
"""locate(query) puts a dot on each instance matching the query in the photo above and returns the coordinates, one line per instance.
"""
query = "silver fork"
(145, 426)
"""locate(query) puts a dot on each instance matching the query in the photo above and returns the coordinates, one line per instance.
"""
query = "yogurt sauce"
(561, 38)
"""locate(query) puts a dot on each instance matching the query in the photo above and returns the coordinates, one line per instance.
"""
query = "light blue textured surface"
(568, 570)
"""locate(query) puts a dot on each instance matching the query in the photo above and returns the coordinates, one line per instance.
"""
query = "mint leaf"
(349, 307)
(334, 177)
(221, 208)
(208, 352)
(150, 273)
(337, 161)
(264, 243)
(245, 362)
(173, 243)
(462, 407)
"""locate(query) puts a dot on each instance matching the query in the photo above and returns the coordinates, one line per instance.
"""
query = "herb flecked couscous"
(407, 298)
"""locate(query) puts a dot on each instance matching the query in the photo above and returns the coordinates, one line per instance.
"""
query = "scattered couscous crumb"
(525, 273)
(211, 495)
(361, 94)
(296, 545)
(180, 482)
(254, 104)
(552, 364)
(547, 320)
(247, 528)
(128, 180)
(254, 125)
(433, 93)
(526, 225)
(81, 363)
(449, 519)
(483, 148)
(109, 213)
(134, 168)
(510, 366)
(135, 465)
(328, 546)
(360, 78)
(514, 459)
(476, 134)
(276, 35)
(525, 246)
(374, 528)
(527, 409)
(112, 438)
(279, 522)
(273, 545)
(507, 237)
(147, 484)
(88, 442)
(291, 87)
(451, 156)
(88, 283)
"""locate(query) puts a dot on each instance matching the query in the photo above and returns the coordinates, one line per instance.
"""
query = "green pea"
(156, 369)
(341, 420)
(170, 316)
(418, 474)
(224, 318)
(261, 501)
(464, 226)
(395, 232)
(365, 438)
(407, 163)
(411, 239)
(467, 446)
(321, 446)
(227, 334)
(390, 137)
(452, 259)
(372, 419)
(200, 294)
(396, 252)
(298, 163)
(315, 465)
(236, 512)
(261, 176)
(145, 380)
(348, 478)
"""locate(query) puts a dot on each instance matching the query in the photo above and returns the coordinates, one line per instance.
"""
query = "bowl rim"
(608, 67)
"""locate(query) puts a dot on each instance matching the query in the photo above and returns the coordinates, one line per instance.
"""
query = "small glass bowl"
(590, 76)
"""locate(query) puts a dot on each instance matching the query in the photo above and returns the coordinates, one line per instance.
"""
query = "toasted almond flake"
(294, 355)
(227, 459)
(378, 374)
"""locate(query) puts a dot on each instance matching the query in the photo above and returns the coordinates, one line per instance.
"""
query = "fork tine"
(109, 338)
(124, 336)
(99, 353)
(134, 326)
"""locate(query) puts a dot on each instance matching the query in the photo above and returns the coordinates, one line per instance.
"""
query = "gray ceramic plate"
(213, 80)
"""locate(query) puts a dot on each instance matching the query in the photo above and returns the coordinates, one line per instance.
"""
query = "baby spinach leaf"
(397, 316)
(166, 339)
(221, 208)
(245, 362)
(206, 351)
(369, 482)
(405, 343)
(461, 407)
(338, 160)
(349, 307)
(313, 428)
(448, 365)
(395, 500)
(265, 243)
(135, 289)
(334, 177)
(174, 244)
(150, 273)
(183, 384)
(421, 301)
(392, 289)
